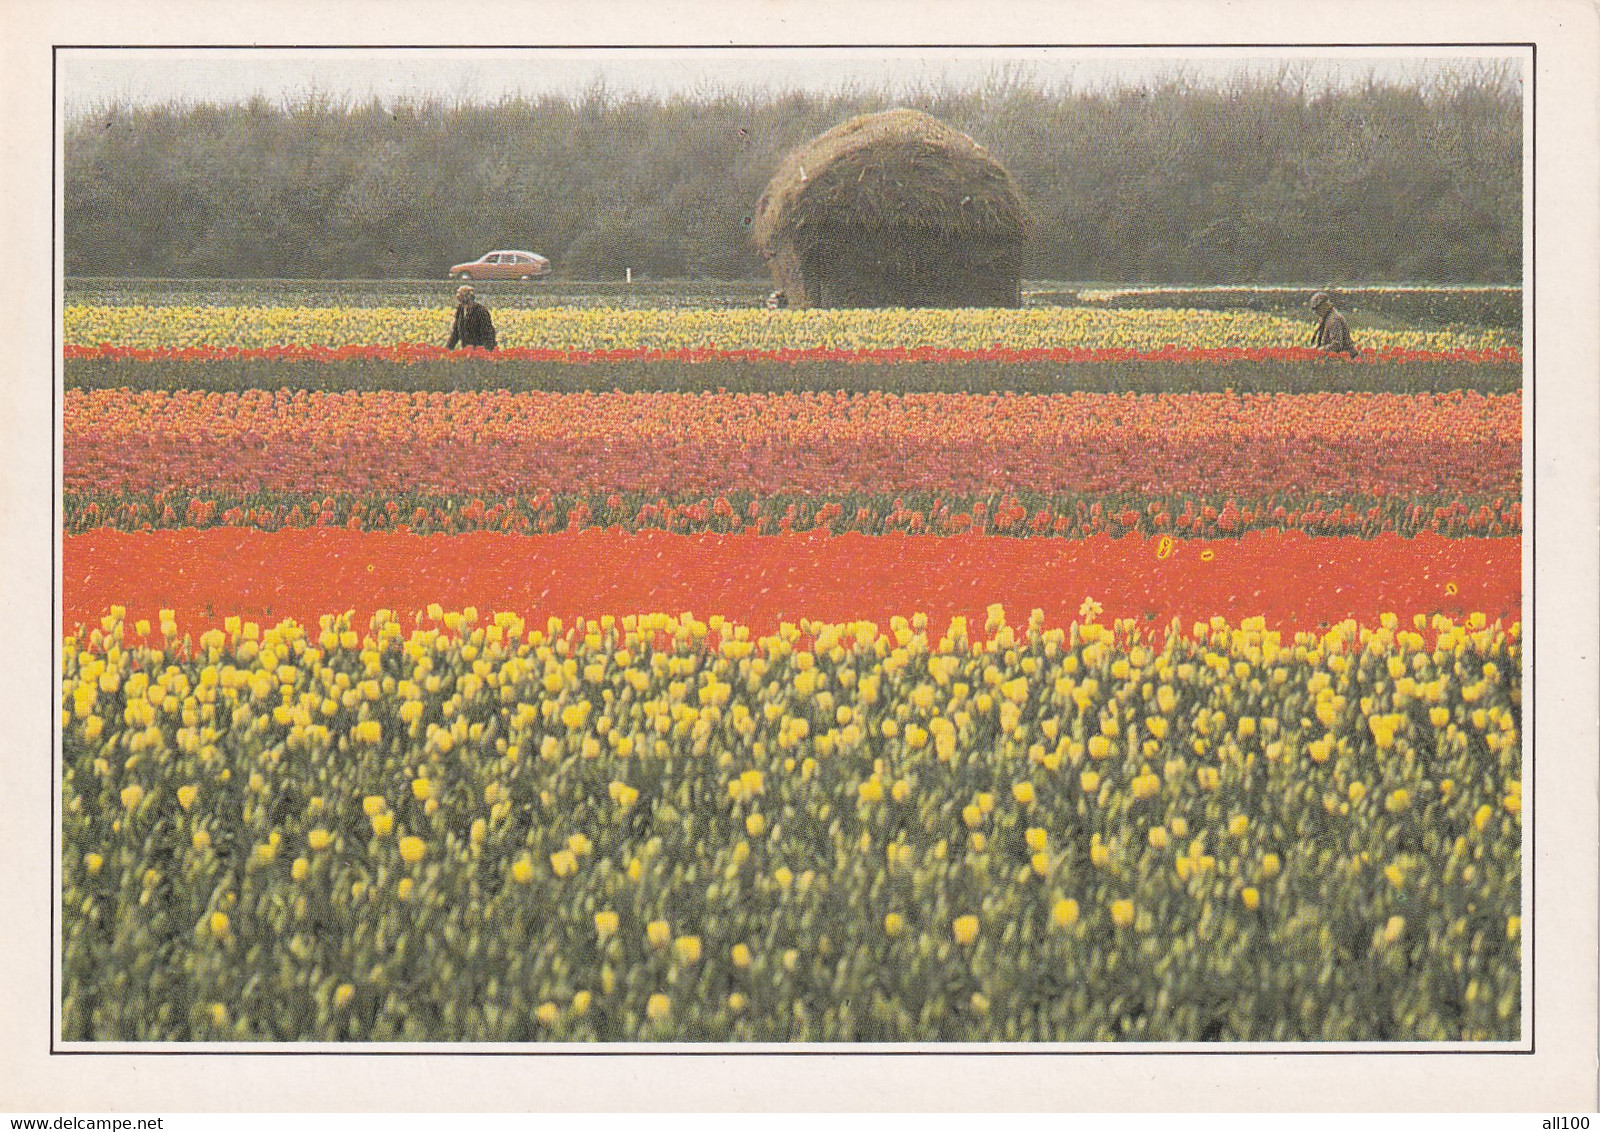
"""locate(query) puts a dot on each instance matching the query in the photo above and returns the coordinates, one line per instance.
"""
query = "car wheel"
(465, 275)
(524, 278)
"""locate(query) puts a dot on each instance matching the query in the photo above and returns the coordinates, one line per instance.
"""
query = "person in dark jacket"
(472, 326)
(1333, 332)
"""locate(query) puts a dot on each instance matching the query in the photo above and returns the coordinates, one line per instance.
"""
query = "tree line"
(1246, 181)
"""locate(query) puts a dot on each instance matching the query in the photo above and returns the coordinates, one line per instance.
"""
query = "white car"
(504, 264)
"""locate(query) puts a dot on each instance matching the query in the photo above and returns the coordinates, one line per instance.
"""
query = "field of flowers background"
(1111, 669)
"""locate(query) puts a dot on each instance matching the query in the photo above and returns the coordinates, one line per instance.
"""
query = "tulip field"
(587, 329)
(1080, 673)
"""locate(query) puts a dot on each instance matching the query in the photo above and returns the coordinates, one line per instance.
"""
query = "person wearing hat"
(472, 326)
(1333, 332)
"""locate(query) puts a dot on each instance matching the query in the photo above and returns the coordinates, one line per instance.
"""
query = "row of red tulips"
(896, 355)
(1217, 445)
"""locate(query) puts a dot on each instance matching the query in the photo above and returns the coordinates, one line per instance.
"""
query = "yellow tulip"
(965, 929)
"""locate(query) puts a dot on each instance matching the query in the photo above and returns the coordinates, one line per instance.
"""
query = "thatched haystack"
(894, 209)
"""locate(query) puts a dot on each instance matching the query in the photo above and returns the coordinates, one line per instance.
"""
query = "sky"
(91, 77)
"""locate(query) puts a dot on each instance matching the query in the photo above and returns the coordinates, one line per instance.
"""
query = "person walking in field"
(1333, 332)
(472, 326)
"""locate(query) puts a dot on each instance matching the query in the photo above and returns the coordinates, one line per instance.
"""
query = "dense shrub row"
(1252, 181)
